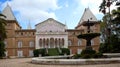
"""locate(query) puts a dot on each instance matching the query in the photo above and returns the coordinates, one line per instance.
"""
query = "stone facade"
(51, 34)
(47, 34)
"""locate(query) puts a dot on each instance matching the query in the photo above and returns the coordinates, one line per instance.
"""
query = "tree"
(2, 27)
(116, 21)
(2, 35)
(112, 41)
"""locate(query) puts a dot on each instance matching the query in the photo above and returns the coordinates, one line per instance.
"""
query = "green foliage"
(65, 51)
(2, 27)
(88, 53)
(53, 52)
(2, 49)
(77, 56)
(98, 55)
(38, 52)
(111, 47)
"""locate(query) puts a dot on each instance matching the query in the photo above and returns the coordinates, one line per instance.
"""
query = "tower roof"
(87, 15)
(8, 13)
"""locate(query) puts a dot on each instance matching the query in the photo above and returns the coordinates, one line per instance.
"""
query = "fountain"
(61, 60)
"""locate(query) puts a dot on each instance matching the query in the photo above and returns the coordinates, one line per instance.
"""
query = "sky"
(67, 12)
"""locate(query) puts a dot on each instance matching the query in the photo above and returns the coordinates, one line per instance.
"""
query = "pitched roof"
(50, 19)
(8, 13)
(87, 15)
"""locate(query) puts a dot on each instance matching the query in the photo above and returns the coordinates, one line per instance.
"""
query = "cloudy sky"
(65, 11)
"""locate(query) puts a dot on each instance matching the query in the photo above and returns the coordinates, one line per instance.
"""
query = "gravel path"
(26, 62)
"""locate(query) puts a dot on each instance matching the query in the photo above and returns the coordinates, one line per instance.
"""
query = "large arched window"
(40, 43)
(51, 43)
(62, 42)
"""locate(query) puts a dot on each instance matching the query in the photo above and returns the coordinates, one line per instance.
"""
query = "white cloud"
(92, 4)
(34, 9)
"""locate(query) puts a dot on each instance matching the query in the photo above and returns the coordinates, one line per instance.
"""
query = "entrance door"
(20, 53)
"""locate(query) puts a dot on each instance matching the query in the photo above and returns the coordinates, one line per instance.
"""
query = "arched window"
(31, 44)
(79, 51)
(52, 43)
(62, 42)
(92, 42)
(40, 43)
(79, 42)
(69, 42)
(19, 44)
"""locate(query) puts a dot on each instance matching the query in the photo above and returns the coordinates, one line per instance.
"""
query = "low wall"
(75, 61)
(112, 54)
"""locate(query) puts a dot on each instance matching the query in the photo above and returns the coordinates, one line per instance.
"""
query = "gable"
(87, 15)
(50, 25)
(8, 13)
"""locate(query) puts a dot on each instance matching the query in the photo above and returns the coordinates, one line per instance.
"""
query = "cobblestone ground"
(26, 62)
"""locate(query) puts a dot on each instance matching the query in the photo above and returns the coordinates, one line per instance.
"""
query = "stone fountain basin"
(46, 60)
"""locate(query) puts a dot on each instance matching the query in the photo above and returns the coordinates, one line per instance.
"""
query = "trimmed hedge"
(51, 52)
(65, 51)
(37, 52)
(88, 54)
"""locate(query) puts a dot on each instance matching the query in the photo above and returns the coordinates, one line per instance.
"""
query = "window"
(19, 44)
(5, 42)
(21, 33)
(92, 42)
(31, 43)
(20, 53)
(70, 51)
(6, 53)
(79, 42)
(79, 51)
(69, 42)
(31, 53)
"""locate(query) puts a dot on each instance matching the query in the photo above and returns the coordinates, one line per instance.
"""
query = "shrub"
(53, 52)
(88, 53)
(65, 51)
(39, 51)
(77, 56)
(98, 55)
(2, 49)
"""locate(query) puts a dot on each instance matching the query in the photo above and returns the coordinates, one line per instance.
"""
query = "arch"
(63, 42)
(59, 42)
(44, 43)
(70, 42)
(55, 42)
(51, 42)
(40, 43)
(47, 43)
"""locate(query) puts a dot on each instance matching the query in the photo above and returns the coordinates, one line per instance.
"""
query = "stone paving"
(26, 62)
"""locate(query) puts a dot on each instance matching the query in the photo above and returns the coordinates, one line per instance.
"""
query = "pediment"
(50, 25)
